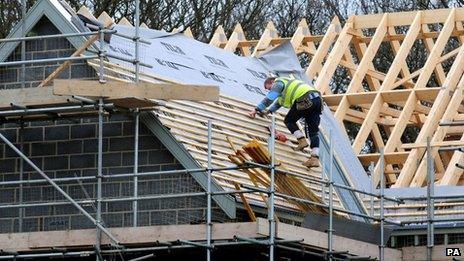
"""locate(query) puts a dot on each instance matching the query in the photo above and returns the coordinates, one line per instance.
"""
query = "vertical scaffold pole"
(382, 202)
(21, 130)
(272, 225)
(208, 194)
(323, 185)
(100, 148)
(136, 121)
(330, 185)
(23, 42)
(430, 200)
(136, 168)
(21, 177)
(371, 171)
(137, 38)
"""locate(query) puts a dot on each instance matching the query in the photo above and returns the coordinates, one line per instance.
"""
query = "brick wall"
(67, 148)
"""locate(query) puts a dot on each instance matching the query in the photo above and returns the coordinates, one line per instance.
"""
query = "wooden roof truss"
(384, 104)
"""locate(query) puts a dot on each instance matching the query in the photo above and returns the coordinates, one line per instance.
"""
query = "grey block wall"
(10, 77)
(68, 148)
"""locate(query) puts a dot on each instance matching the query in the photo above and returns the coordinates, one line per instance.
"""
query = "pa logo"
(453, 251)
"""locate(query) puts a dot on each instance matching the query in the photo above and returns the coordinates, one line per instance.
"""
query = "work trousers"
(312, 117)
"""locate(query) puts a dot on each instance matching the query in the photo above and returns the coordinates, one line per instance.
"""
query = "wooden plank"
(343, 41)
(453, 173)
(30, 97)
(219, 38)
(301, 32)
(390, 158)
(265, 40)
(452, 143)
(126, 235)
(124, 21)
(429, 43)
(233, 43)
(248, 208)
(315, 65)
(389, 96)
(406, 18)
(142, 90)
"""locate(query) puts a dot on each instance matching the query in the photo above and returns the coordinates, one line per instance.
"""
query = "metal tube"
(99, 174)
(21, 177)
(136, 39)
(272, 223)
(208, 194)
(371, 179)
(23, 43)
(61, 59)
(111, 176)
(143, 257)
(434, 221)
(131, 38)
(430, 201)
(122, 59)
(38, 255)
(233, 191)
(101, 56)
(301, 250)
(196, 244)
(382, 218)
(330, 185)
(452, 123)
(61, 191)
(335, 208)
(312, 179)
(323, 179)
(136, 169)
(28, 111)
(54, 203)
(433, 197)
(54, 36)
(100, 145)
(162, 196)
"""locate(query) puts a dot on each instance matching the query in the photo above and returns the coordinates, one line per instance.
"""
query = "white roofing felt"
(178, 57)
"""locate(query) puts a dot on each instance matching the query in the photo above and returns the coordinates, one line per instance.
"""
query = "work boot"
(302, 143)
(312, 162)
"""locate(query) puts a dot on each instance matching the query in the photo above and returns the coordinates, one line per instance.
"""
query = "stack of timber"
(285, 184)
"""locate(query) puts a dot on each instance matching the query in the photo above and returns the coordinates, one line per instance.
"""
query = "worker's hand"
(264, 113)
(252, 113)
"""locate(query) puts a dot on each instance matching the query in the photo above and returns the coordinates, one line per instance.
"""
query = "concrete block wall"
(10, 77)
(68, 148)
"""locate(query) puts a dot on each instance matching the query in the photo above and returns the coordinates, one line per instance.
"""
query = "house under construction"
(123, 142)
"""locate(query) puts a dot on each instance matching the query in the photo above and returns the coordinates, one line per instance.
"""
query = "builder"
(304, 101)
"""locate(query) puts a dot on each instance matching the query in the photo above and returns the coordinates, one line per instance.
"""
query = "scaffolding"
(99, 108)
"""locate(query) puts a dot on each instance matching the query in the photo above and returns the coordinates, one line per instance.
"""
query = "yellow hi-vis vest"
(293, 89)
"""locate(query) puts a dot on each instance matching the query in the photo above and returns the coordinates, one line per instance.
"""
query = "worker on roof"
(304, 101)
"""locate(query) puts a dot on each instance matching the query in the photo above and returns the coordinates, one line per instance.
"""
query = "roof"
(185, 120)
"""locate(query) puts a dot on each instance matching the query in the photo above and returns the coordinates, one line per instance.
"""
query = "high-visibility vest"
(293, 89)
